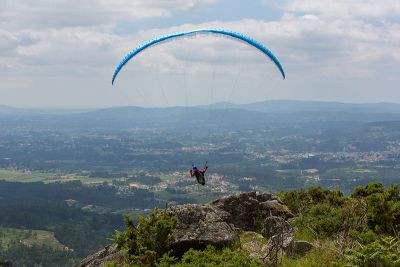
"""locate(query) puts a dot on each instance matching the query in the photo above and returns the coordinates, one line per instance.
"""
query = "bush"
(383, 210)
(213, 257)
(317, 208)
(382, 252)
(370, 207)
(299, 201)
(147, 242)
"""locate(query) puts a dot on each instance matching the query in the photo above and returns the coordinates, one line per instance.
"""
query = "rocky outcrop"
(217, 223)
(108, 253)
(248, 210)
(277, 225)
(202, 225)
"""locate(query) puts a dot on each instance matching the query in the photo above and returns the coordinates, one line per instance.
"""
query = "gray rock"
(108, 253)
(202, 225)
(298, 247)
(243, 210)
(247, 210)
(276, 225)
(280, 234)
(275, 208)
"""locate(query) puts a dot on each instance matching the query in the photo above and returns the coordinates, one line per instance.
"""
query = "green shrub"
(317, 209)
(214, 257)
(299, 201)
(367, 237)
(382, 252)
(369, 189)
(383, 206)
(110, 264)
(149, 240)
(370, 207)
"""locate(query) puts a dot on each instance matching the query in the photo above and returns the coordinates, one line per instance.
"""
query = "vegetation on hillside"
(362, 229)
(357, 230)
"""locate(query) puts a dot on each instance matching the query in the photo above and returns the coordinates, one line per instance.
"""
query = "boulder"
(275, 208)
(202, 225)
(247, 210)
(299, 247)
(242, 209)
(276, 225)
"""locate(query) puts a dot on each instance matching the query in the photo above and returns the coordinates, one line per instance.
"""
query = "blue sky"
(62, 53)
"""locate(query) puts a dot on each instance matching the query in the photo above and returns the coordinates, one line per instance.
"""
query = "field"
(28, 238)
(23, 176)
(13, 175)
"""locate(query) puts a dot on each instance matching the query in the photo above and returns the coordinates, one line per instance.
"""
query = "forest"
(81, 218)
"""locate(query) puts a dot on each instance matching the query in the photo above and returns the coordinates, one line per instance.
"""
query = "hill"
(291, 106)
(314, 227)
(213, 117)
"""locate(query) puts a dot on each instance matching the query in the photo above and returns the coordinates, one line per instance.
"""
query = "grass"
(23, 176)
(323, 255)
(304, 234)
(316, 257)
(12, 175)
(28, 238)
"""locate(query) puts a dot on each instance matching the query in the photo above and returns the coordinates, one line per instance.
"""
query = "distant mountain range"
(270, 106)
(219, 115)
(293, 106)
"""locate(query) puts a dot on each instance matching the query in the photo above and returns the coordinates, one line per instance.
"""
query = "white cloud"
(296, 40)
(346, 8)
(310, 38)
(70, 13)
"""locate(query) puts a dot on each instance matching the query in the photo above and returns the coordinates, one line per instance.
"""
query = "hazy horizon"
(83, 108)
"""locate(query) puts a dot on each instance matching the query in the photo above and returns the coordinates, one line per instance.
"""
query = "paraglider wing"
(234, 35)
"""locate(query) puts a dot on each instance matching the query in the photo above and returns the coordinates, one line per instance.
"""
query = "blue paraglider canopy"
(231, 34)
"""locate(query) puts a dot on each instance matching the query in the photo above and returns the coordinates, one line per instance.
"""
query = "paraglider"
(231, 34)
(195, 172)
(199, 173)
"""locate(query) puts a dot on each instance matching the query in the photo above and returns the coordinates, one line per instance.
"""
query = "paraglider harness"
(199, 173)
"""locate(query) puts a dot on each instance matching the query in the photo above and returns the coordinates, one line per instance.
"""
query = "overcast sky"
(62, 53)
